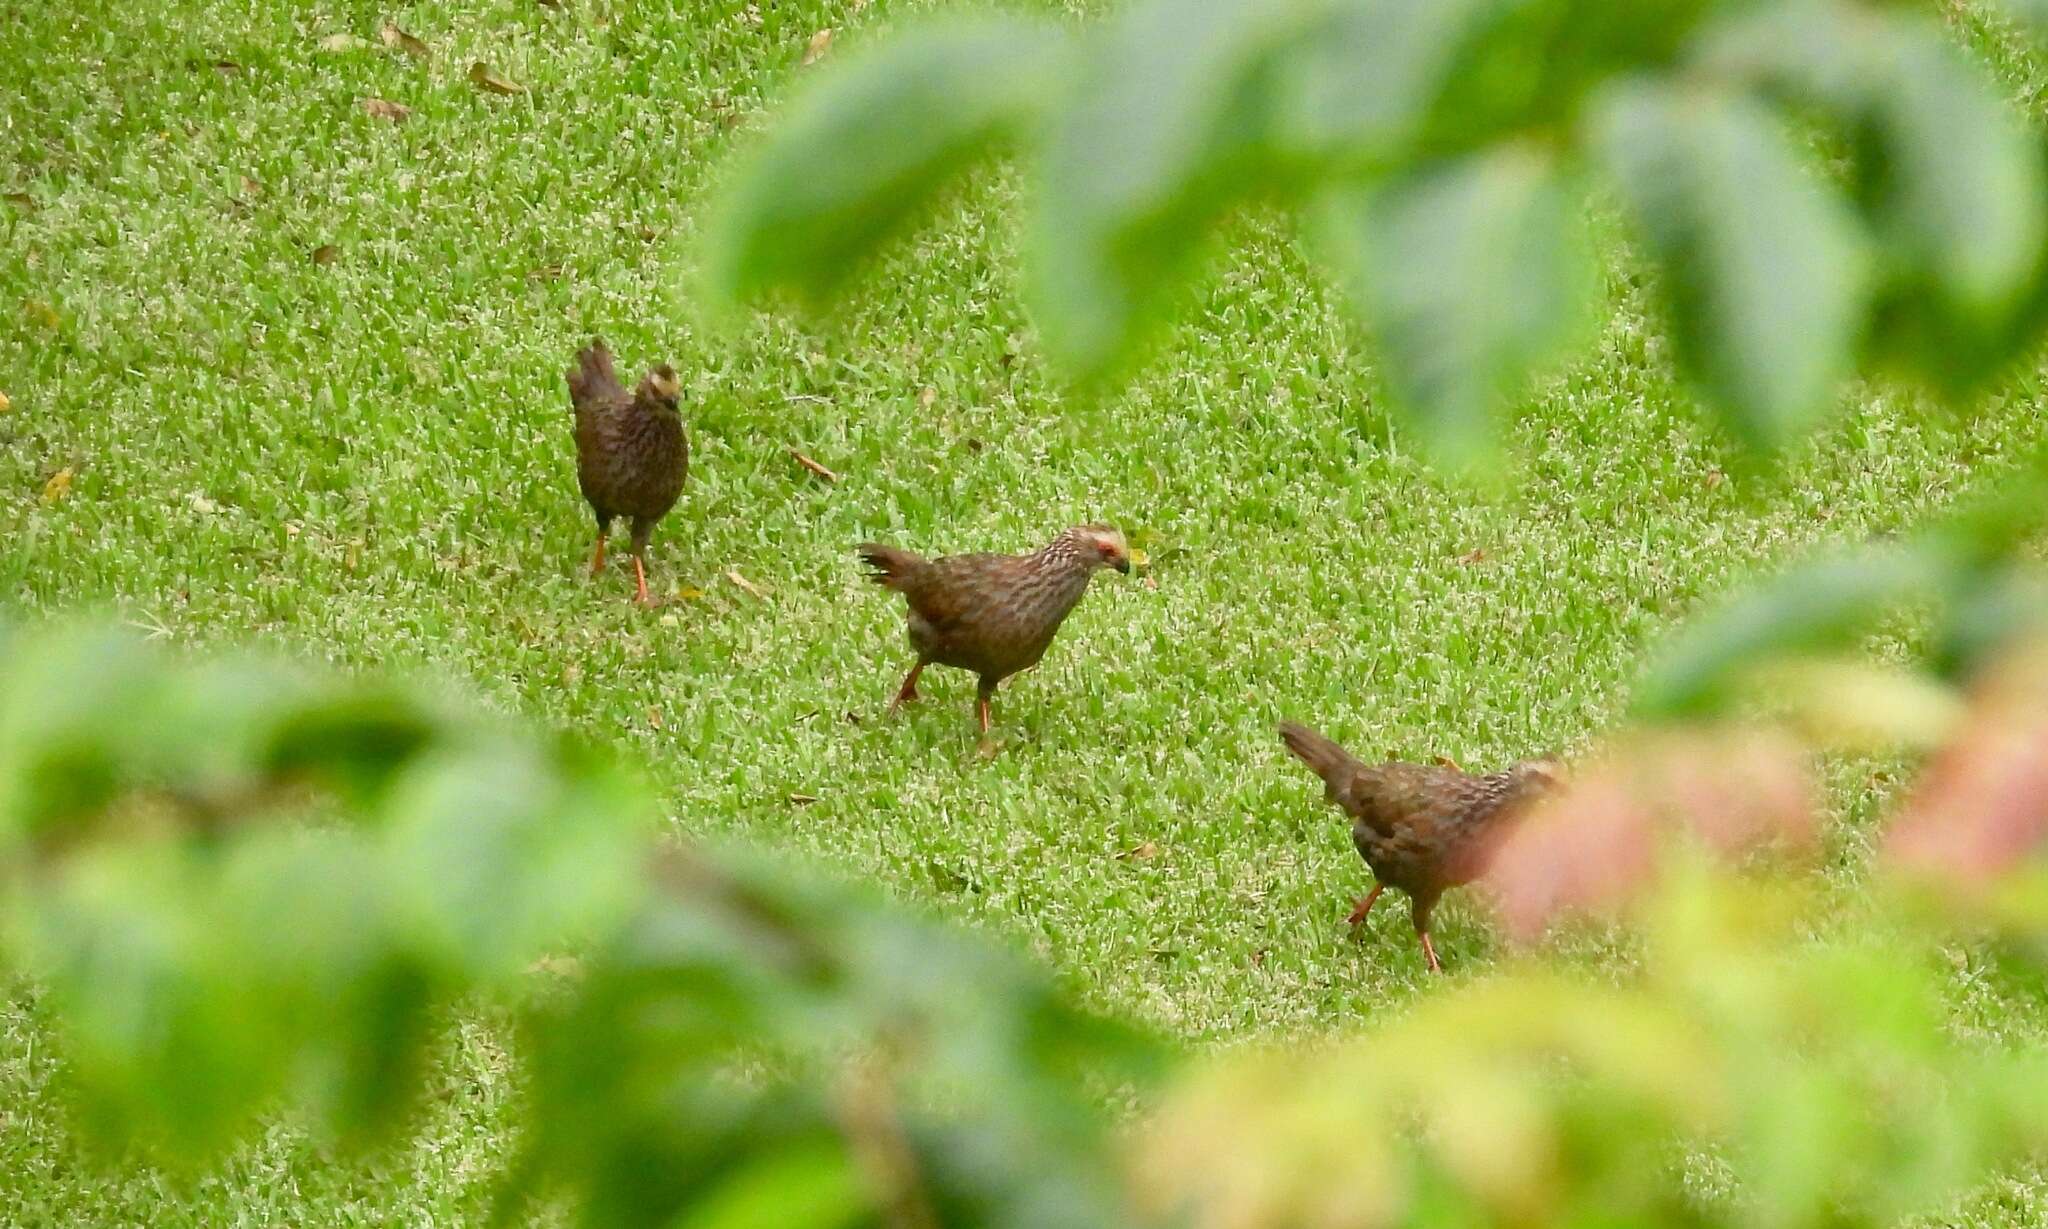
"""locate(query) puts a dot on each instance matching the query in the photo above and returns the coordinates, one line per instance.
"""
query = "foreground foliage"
(1819, 185)
(246, 889)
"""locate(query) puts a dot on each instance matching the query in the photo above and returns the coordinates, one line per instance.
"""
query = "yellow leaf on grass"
(59, 485)
(820, 43)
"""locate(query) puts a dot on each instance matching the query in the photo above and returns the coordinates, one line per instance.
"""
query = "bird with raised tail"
(992, 614)
(1422, 828)
(632, 453)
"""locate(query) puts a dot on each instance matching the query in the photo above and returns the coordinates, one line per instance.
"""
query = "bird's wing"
(953, 591)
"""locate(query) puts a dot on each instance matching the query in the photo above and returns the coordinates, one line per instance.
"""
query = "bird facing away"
(992, 614)
(631, 450)
(1422, 828)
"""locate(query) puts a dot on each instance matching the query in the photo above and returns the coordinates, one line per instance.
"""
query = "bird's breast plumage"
(632, 459)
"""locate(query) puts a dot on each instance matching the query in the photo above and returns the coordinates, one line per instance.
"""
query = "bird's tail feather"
(890, 567)
(593, 374)
(1325, 757)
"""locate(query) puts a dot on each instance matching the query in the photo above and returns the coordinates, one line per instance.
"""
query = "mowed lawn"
(285, 372)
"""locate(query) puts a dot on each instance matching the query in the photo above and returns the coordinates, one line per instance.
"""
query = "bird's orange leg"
(640, 577)
(908, 692)
(597, 560)
(1364, 906)
(1429, 953)
(981, 712)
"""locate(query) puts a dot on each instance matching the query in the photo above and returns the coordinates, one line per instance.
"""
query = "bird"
(992, 614)
(1422, 828)
(632, 452)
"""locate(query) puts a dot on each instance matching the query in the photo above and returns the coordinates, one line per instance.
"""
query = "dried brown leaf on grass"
(480, 75)
(385, 109)
(399, 40)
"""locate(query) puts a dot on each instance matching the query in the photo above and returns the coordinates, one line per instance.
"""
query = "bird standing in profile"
(631, 450)
(1422, 828)
(992, 614)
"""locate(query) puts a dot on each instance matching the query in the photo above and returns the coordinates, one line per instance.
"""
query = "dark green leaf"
(351, 739)
(1166, 127)
(1471, 274)
(858, 156)
(1817, 606)
(1765, 270)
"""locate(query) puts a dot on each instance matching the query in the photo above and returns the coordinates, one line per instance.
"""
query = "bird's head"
(1102, 546)
(1541, 775)
(661, 387)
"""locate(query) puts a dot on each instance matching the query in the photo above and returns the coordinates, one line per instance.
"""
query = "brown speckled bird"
(1421, 827)
(631, 450)
(992, 614)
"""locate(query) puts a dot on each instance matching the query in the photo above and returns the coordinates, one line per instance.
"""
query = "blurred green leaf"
(1764, 269)
(860, 154)
(79, 720)
(1166, 126)
(338, 986)
(1988, 614)
(1819, 605)
(1953, 186)
(352, 739)
(1471, 273)
(810, 1185)
(163, 1043)
(1995, 527)
(498, 856)
(1397, 84)
(1361, 91)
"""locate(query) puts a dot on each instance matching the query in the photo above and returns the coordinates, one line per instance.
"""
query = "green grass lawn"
(367, 459)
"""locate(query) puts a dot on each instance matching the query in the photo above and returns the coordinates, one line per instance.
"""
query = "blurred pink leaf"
(1982, 806)
(1591, 847)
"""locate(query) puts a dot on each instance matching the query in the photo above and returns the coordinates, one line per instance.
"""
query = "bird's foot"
(640, 580)
(989, 747)
(1429, 952)
(597, 558)
(907, 694)
(1363, 907)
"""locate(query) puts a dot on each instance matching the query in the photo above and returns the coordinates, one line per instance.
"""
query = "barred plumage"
(632, 453)
(992, 614)
(1422, 828)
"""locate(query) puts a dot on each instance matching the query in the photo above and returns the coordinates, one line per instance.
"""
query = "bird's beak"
(1122, 565)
